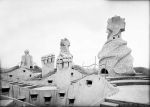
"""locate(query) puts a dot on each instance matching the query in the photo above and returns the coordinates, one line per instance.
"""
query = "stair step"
(109, 104)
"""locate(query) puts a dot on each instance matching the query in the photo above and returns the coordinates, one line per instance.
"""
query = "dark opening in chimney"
(104, 71)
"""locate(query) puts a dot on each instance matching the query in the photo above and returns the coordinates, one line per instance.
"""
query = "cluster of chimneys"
(61, 62)
(64, 62)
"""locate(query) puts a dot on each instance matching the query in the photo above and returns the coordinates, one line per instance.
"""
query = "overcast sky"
(39, 25)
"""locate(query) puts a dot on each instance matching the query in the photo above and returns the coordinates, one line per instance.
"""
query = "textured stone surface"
(115, 56)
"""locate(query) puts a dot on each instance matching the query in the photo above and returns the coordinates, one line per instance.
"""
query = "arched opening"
(72, 74)
(104, 71)
(31, 67)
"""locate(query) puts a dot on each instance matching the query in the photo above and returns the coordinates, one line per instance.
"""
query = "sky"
(39, 25)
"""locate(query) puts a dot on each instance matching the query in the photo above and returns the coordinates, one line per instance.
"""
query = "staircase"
(138, 79)
(117, 103)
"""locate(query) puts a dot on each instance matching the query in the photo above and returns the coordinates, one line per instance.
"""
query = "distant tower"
(26, 60)
(47, 64)
(64, 60)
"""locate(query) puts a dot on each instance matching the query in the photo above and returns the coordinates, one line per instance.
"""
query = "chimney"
(47, 64)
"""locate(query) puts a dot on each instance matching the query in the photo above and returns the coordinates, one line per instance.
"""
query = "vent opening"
(72, 67)
(61, 95)
(24, 70)
(34, 97)
(50, 81)
(10, 75)
(72, 74)
(47, 99)
(5, 90)
(89, 82)
(71, 101)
